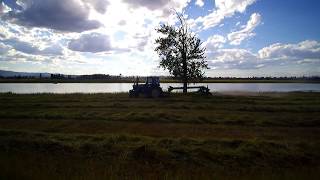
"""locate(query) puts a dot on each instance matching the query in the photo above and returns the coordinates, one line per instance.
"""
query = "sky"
(243, 38)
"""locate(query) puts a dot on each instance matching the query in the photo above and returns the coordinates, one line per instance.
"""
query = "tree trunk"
(184, 63)
(185, 89)
(185, 76)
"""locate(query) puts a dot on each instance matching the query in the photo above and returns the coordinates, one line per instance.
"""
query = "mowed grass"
(111, 136)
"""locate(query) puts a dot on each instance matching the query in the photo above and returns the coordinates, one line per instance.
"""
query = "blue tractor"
(151, 88)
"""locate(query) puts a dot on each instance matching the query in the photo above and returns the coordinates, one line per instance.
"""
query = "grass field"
(111, 136)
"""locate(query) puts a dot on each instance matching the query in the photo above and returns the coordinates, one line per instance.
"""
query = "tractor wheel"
(143, 95)
(156, 92)
(133, 94)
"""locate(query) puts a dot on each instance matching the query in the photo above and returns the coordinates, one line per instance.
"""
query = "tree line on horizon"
(133, 78)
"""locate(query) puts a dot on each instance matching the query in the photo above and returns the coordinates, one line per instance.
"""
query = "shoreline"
(161, 81)
(214, 93)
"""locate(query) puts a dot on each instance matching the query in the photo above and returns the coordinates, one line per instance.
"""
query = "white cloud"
(32, 49)
(214, 42)
(199, 3)
(304, 50)
(165, 6)
(93, 42)
(61, 15)
(246, 32)
(4, 48)
(136, 47)
(125, 39)
(224, 9)
(232, 59)
(99, 5)
(152, 5)
(3, 8)
(274, 55)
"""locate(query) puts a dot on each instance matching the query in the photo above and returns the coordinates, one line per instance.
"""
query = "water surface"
(125, 87)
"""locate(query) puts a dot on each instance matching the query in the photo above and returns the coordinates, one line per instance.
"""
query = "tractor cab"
(151, 88)
(154, 81)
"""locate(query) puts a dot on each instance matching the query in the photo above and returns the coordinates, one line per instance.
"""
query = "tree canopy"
(181, 52)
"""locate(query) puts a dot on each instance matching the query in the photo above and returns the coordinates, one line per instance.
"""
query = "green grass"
(293, 109)
(111, 136)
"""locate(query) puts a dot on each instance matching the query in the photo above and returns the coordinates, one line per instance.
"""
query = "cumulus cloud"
(152, 5)
(273, 55)
(224, 9)
(4, 48)
(199, 3)
(233, 59)
(3, 8)
(54, 49)
(140, 43)
(122, 22)
(214, 42)
(165, 6)
(93, 42)
(71, 15)
(28, 48)
(135, 20)
(304, 50)
(12, 4)
(98, 5)
(237, 37)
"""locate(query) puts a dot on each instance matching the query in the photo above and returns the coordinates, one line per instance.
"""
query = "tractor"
(151, 88)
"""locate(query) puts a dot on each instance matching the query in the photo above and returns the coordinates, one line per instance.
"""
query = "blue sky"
(242, 37)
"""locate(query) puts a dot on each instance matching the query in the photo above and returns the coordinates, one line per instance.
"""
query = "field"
(111, 136)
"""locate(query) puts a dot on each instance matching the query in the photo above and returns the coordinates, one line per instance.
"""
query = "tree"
(180, 52)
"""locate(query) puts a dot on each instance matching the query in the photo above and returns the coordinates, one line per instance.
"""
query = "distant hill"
(4, 73)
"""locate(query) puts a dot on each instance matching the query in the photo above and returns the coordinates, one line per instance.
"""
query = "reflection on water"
(125, 87)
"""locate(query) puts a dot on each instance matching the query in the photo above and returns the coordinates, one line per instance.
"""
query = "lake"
(27, 88)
